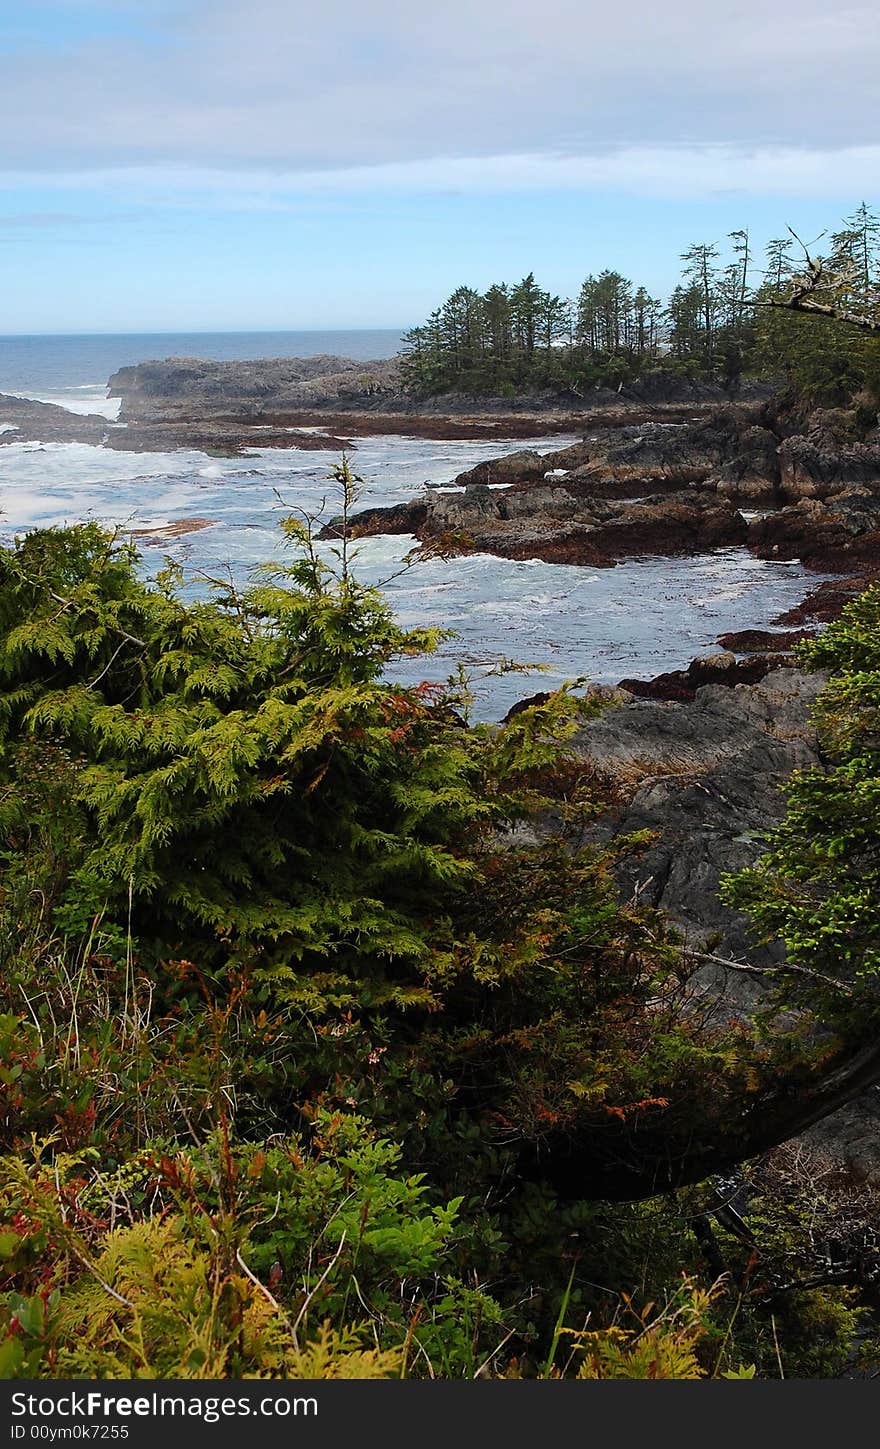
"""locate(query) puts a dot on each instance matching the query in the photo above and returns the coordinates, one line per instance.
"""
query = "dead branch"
(814, 280)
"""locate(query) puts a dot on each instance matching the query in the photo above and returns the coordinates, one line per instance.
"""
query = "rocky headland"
(326, 402)
(280, 386)
(24, 421)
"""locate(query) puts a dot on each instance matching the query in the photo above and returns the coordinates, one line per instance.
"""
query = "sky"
(243, 164)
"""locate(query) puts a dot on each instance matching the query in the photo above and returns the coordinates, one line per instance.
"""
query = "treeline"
(516, 337)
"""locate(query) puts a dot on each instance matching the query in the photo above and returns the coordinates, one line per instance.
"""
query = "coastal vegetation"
(319, 1060)
(717, 324)
(329, 1046)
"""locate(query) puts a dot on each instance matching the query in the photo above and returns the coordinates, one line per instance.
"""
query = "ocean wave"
(91, 400)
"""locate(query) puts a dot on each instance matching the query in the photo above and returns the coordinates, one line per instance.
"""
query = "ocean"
(642, 617)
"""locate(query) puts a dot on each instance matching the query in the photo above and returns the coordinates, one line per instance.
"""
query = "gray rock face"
(657, 453)
(554, 522)
(838, 534)
(851, 1135)
(857, 511)
(706, 776)
(160, 387)
(516, 467)
(725, 452)
(818, 465)
(25, 421)
(753, 474)
(179, 386)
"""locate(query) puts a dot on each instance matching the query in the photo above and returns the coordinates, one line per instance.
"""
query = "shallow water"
(642, 617)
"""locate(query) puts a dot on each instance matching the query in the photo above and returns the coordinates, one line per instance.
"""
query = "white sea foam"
(90, 398)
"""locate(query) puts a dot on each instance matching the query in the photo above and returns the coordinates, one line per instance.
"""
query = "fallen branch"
(785, 968)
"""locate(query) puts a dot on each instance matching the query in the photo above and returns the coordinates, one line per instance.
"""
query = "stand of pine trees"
(520, 338)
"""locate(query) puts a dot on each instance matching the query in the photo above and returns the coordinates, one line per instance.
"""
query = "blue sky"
(178, 164)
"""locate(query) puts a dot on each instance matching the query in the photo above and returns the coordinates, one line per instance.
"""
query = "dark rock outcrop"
(188, 386)
(829, 599)
(400, 518)
(762, 641)
(549, 522)
(836, 535)
(26, 421)
(818, 465)
(752, 475)
(158, 387)
(705, 775)
(725, 669)
(521, 466)
(725, 452)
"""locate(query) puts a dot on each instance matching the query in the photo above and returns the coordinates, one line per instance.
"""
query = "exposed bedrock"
(722, 451)
(747, 454)
(669, 488)
(819, 465)
(24, 421)
(837, 535)
(550, 522)
(188, 386)
(399, 518)
(723, 668)
(330, 382)
(705, 776)
(752, 474)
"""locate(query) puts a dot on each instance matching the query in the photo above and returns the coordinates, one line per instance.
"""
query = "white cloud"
(282, 84)
(676, 172)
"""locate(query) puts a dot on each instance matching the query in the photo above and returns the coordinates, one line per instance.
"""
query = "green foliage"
(521, 338)
(247, 812)
(178, 1289)
(655, 1344)
(287, 1007)
(825, 362)
(818, 887)
(717, 323)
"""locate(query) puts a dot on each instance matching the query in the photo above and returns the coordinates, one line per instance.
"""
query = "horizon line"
(199, 332)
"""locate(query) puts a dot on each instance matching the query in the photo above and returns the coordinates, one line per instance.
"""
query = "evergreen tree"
(700, 276)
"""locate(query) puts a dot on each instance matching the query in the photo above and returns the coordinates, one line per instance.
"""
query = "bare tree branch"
(815, 280)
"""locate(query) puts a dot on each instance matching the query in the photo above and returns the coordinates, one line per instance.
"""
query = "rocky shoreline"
(660, 468)
(228, 408)
(784, 486)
